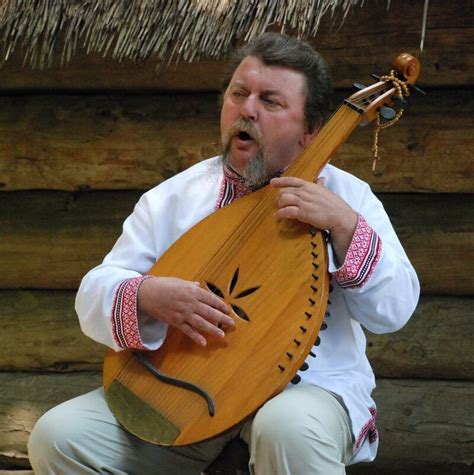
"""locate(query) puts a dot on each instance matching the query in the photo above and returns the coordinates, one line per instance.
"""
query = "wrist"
(147, 287)
(345, 225)
(342, 234)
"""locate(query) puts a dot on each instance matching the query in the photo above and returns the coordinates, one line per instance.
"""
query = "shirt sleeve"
(106, 302)
(125, 322)
(361, 258)
(379, 283)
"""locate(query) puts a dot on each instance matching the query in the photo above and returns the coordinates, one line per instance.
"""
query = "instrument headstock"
(407, 67)
(389, 90)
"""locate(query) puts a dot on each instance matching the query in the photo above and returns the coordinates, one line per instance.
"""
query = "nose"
(249, 108)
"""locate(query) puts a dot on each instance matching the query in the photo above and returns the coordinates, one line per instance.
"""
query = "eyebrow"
(265, 91)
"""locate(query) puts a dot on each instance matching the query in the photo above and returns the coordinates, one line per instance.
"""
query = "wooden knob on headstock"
(407, 67)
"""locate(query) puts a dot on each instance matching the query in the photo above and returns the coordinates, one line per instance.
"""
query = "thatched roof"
(47, 30)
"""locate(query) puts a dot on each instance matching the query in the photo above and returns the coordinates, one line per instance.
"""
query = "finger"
(288, 199)
(285, 181)
(321, 181)
(295, 190)
(201, 325)
(190, 332)
(213, 315)
(208, 298)
(288, 212)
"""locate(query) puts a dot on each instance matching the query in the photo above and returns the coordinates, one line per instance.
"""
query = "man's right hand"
(185, 305)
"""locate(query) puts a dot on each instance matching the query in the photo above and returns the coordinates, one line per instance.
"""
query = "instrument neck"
(318, 153)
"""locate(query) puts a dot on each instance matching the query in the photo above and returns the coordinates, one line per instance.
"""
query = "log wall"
(79, 144)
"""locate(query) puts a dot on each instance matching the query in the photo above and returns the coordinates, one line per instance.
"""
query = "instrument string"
(367, 98)
(343, 121)
(315, 157)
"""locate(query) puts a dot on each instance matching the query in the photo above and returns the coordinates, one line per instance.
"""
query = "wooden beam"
(435, 344)
(367, 42)
(106, 142)
(436, 231)
(74, 142)
(24, 398)
(419, 419)
(437, 234)
(51, 239)
(427, 422)
(51, 339)
(427, 150)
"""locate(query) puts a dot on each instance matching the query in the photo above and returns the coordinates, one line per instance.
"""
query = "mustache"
(243, 125)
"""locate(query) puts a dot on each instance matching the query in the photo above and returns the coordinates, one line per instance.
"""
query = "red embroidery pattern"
(368, 429)
(362, 257)
(124, 314)
(232, 187)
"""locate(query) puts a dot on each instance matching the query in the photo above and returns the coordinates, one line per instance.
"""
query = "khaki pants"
(302, 431)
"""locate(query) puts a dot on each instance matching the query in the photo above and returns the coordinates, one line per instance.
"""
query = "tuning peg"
(417, 89)
(359, 86)
(387, 113)
(400, 102)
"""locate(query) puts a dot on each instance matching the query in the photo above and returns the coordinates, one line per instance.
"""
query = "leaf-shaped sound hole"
(234, 280)
(240, 313)
(244, 293)
(215, 290)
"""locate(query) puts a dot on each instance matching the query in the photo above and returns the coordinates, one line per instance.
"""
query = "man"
(275, 97)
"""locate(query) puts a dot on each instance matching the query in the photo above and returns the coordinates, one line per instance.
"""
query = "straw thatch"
(43, 30)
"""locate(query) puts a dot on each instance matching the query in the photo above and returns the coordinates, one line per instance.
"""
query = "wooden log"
(427, 422)
(437, 234)
(50, 338)
(436, 230)
(367, 42)
(82, 226)
(24, 398)
(419, 419)
(114, 142)
(429, 150)
(435, 344)
(74, 142)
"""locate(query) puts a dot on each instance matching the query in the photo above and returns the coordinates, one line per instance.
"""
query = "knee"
(48, 439)
(42, 439)
(278, 423)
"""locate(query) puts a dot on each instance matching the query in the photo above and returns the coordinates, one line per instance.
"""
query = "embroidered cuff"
(369, 429)
(361, 258)
(124, 314)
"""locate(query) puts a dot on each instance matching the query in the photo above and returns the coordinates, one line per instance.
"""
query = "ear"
(310, 133)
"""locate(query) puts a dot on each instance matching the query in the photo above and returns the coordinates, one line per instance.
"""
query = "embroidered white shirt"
(376, 287)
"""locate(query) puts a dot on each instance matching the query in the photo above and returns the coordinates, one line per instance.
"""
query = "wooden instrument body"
(237, 249)
(287, 261)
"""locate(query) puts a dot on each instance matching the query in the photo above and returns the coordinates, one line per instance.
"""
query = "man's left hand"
(314, 204)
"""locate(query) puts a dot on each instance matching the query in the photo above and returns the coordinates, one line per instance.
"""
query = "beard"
(255, 174)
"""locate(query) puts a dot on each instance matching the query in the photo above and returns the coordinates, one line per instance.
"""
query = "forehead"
(252, 73)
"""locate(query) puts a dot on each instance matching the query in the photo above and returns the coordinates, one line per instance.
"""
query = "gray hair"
(281, 50)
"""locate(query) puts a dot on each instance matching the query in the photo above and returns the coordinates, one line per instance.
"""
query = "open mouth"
(244, 136)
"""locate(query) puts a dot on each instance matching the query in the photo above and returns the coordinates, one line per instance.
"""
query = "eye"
(270, 102)
(238, 95)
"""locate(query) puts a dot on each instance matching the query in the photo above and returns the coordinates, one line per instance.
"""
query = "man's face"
(262, 117)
